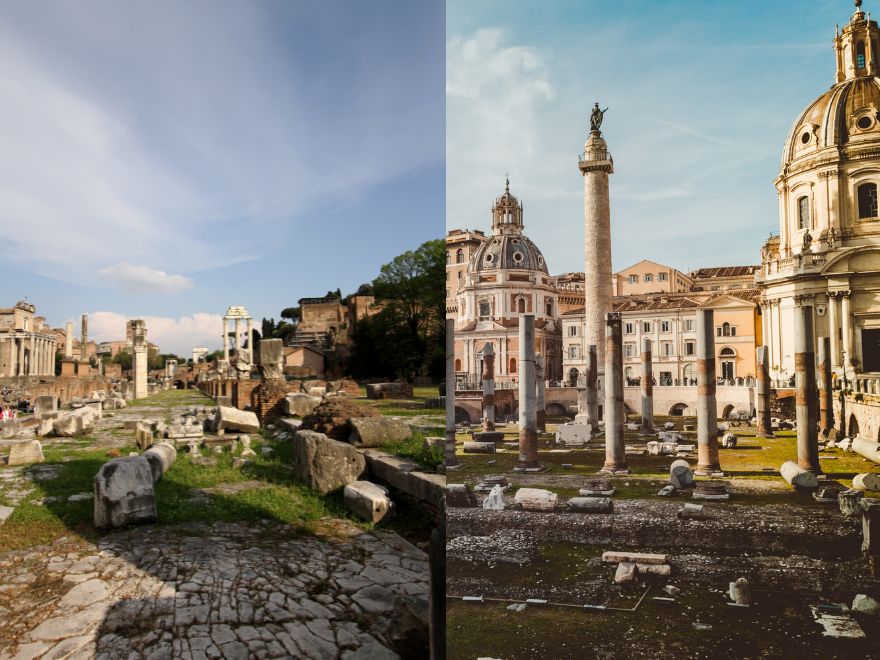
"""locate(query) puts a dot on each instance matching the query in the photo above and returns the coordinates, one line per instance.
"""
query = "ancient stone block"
(25, 453)
(536, 499)
(167, 454)
(728, 441)
(866, 449)
(849, 501)
(143, 436)
(797, 476)
(377, 431)
(324, 464)
(865, 605)
(590, 505)
(667, 491)
(434, 443)
(573, 434)
(271, 358)
(300, 404)
(45, 404)
(710, 490)
(367, 500)
(680, 474)
(459, 495)
(690, 511)
(479, 447)
(389, 391)
(626, 573)
(233, 419)
(124, 493)
(488, 436)
(77, 422)
(662, 448)
(613, 556)
(867, 481)
(740, 592)
(495, 499)
(654, 569)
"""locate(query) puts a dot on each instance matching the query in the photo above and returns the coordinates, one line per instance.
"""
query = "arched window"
(860, 55)
(448, 258)
(459, 256)
(512, 369)
(867, 194)
(803, 212)
(727, 352)
(725, 330)
(521, 306)
(457, 365)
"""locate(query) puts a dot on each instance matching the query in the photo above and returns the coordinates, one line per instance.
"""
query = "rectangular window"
(667, 348)
(572, 352)
(629, 350)
(803, 212)
(485, 309)
(459, 274)
(662, 277)
(717, 332)
(689, 347)
(572, 331)
(733, 331)
(632, 279)
(716, 288)
(734, 286)
(664, 326)
(689, 325)
(629, 328)
(646, 326)
(447, 275)
(447, 293)
(648, 278)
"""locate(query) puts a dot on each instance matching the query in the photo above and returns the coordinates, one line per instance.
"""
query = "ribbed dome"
(846, 112)
(508, 251)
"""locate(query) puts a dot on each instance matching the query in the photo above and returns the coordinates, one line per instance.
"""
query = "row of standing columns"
(31, 356)
(238, 342)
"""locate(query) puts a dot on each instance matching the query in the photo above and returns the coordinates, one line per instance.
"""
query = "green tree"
(408, 331)
(268, 327)
(293, 314)
(123, 359)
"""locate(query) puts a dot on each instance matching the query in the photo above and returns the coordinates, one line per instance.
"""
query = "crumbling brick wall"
(782, 403)
(242, 391)
(267, 399)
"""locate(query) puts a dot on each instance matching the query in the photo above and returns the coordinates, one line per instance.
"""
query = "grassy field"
(47, 513)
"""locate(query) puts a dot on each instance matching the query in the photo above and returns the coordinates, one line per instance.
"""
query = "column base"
(529, 467)
(708, 471)
(759, 434)
(815, 470)
(614, 471)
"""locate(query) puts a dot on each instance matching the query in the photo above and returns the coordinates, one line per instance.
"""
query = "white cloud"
(142, 279)
(178, 336)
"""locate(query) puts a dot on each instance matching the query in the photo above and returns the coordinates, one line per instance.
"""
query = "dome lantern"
(507, 213)
(856, 46)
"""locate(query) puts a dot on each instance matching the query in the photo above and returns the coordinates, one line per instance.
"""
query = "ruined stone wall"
(267, 399)
(66, 389)
(782, 403)
(241, 392)
(320, 317)
(865, 413)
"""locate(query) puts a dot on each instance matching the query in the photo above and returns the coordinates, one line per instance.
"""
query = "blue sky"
(166, 160)
(701, 96)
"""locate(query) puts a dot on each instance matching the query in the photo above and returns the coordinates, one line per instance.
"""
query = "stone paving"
(194, 591)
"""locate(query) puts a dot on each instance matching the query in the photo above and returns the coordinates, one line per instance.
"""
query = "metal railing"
(591, 156)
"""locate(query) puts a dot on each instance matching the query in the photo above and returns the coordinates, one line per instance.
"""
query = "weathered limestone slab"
(233, 419)
(850, 502)
(536, 499)
(867, 481)
(377, 431)
(680, 474)
(488, 436)
(626, 573)
(865, 605)
(590, 505)
(459, 495)
(400, 473)
(77, 422)
(728, 441)
(573, 434)
(109, 404)
(143, 436)
(690, 511)
(324, 464)
(495, 500)
(613, 556)
(434, 443)
(866, 449)
(367, 500)
(45, 404)
(300, 404)
(25, 453)
(797, 476)
(662, 448)
(655, 569)
(479, 447)
(124, 493)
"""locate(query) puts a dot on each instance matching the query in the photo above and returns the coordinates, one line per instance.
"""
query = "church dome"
(508, 251)
(848, 112)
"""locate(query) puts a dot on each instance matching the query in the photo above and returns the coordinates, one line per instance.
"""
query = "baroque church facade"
(827, 253)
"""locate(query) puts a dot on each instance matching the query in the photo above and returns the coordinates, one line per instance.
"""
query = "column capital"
(803, 299)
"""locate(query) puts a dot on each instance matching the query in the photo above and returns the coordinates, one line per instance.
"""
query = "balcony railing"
(591, 156)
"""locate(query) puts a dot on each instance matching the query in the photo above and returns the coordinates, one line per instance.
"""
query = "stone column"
(805, 390)
(615, 456)
(846, 318)
(647, 390)
(588, 392)
(226, 339)
(540, 417)
(84, 349)
(762, 360)
(707, 407)
(451, 459)
(596, 165)
(237, 337)
(32, 357)
(68, 341)
(13, 356)
(139, 362)
(834, 326)
(528, 428)
(826, 395)
(250, 338)
(488, 387)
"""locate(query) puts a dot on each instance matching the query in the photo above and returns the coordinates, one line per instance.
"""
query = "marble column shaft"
(68, 341)
(540, 416)
(528, 428)
(762, 360)
(226, 339)
(615, 415)
(592, 383)
(488, 387)
(451, 459)
(707, 405)
(647, 389)
(32, 356)
(806, 406)
(84, 349)
(826, 394)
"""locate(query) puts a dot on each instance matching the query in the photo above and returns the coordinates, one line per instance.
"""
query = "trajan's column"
(596, 164)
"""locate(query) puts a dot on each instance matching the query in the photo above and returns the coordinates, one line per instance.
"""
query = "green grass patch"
(414, 448)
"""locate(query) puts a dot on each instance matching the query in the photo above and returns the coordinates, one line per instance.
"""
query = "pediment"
(864, 259)
(729, 302)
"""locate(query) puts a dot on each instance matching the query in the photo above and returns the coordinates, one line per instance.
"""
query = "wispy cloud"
(143, 279)
(170, 335)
